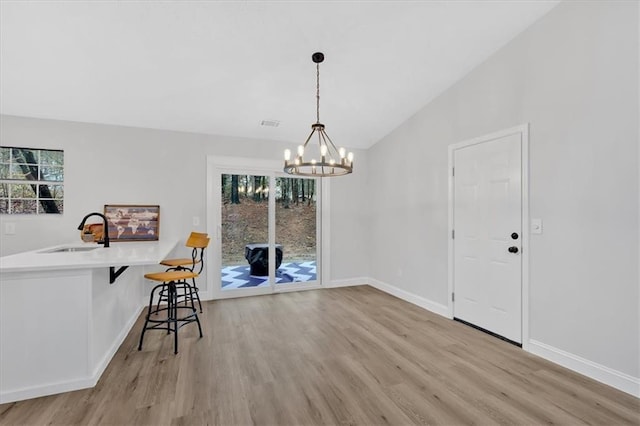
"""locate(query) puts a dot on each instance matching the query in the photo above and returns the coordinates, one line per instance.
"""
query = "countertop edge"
(36, 260)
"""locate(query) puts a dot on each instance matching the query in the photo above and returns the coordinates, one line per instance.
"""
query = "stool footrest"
(190, 316)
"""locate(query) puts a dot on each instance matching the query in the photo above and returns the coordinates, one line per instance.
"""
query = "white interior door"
(487, 243)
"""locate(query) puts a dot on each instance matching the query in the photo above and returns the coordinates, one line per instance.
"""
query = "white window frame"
(36, 182)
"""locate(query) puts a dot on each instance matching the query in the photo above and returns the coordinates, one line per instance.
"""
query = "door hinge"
(453, 234)
(453, 171)
(453, 297)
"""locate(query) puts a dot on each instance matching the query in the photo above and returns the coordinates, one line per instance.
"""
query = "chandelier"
(331, 161)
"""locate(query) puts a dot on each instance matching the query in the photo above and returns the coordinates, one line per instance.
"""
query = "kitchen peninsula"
(61, 320)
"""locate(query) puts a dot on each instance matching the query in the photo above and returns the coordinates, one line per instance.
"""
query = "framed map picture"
(133, 222)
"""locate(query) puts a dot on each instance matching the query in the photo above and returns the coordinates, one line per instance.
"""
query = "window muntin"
(31, 180)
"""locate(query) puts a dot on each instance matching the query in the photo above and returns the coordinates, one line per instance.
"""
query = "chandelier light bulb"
(323, 150)
(287, 154)
(350, 157)
(313, 161)
(300, 150)
(343, 152)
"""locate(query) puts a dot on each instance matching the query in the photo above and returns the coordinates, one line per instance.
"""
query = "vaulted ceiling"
(223, 67)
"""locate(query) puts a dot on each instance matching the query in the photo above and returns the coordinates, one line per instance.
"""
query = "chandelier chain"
(317, 93)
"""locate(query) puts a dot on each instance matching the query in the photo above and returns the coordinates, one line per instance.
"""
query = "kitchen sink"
(70, 249)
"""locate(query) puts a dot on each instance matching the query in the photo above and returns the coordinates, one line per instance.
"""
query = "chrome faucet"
(105, 231)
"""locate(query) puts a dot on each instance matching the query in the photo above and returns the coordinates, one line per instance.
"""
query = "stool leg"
(169, 309)
(173, 312)
(193, 306)
(186, 292)
(146, 319)
(199, 326)
(195, 289)
(162, 291)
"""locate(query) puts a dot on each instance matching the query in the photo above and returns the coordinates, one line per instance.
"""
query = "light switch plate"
(536, 226)
(196, 221)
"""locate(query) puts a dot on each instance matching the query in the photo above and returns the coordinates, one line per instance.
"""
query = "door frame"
(216, 164)
(523, 131)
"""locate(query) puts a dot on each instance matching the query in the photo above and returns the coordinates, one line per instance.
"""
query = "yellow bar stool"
(198, 242)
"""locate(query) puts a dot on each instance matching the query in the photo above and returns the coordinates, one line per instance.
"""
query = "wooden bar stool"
(198, 242)
(174, 287)
(172, 316)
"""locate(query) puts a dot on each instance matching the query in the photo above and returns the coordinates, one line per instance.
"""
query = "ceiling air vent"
(270, 123)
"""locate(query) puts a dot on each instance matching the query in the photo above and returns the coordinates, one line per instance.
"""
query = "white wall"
(574, 77)
(124, 165)
(349, 225)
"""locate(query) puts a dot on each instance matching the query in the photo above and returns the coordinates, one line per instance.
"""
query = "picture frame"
(133, 222)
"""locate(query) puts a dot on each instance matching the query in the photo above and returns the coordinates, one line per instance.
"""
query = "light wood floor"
(336, 356)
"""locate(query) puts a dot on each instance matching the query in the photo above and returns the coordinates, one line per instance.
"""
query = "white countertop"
(118, 254)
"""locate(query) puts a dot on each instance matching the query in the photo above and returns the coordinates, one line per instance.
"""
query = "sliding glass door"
(267, 232)
(297, 229)
(244, 230)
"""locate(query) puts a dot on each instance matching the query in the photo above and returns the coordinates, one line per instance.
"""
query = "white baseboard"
(206, 295)
(349, 282)
(48, 389)
(427, 304)
(601, 373)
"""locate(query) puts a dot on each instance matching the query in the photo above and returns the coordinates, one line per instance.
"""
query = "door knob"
(514, 236)
(513, 249)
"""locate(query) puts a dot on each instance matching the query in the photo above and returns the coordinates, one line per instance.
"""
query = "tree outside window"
(31, 181)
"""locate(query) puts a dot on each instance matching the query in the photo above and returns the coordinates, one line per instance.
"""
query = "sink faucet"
(105, 231)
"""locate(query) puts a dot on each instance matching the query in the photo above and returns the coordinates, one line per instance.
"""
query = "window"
(31, 180)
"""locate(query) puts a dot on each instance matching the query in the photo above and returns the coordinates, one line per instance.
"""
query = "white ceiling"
(223, 67)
